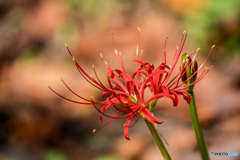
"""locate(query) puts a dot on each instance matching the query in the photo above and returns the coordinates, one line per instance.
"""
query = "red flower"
(130, 94)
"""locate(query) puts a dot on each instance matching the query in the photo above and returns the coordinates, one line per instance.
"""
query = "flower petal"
(150, 117)
(126, 135)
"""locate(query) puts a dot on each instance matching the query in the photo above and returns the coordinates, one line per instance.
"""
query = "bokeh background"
(36, 124)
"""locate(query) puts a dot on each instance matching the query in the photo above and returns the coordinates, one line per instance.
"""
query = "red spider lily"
(130, 92)
(157, 78)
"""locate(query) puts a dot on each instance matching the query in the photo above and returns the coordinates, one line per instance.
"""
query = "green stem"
(158, 140)
(197, 128)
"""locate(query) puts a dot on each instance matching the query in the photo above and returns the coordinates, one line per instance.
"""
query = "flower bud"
(184, 76)
(194, 69)
(183, 57)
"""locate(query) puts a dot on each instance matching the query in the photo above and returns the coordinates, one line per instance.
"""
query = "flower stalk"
(197, 128)
(158, 140)
(156, 136)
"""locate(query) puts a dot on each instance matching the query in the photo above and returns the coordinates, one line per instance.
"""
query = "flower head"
(128, 90)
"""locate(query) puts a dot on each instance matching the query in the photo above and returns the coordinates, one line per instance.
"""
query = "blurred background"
(36, 124)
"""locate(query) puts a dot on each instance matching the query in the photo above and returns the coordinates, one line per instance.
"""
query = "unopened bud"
(183, 75)
(183, 57)
(189, 59)
(194, 69)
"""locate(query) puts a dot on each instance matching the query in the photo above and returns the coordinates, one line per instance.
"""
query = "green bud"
(194, 69)
(184, 76)
(183, 57)
(152, 104)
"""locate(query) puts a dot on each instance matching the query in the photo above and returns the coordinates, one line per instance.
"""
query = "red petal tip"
(127, 137)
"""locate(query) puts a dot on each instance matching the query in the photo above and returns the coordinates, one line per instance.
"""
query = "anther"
(177, 46)
(206, 68)
(106, 63)
(125, 102)
(213, 46)
(211, 67)
(184, 31)
(138, 29)
(74, 60)
(198, 49)
(93, 66)
(166, 37)
(66, 45)
(91, 97)
(61, 79)
(101, 55)
(94, 130)
(111, 32)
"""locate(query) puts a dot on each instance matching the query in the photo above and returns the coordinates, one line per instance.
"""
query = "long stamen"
(115, 49)
(74, 92)
(182, 73)
(69, 99)
(206, 70)
(87, 79)
(123, 68)
(164, 52)
(137, 47)
(137, 57)
(107, 122)
(177, 56)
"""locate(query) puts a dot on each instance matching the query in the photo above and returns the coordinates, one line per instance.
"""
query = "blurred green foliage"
(31, 52)
(217, 22)
(55, 155)
(109, 157)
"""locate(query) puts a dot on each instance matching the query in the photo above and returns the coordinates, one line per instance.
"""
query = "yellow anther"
(61, 79)
(177, 46)
(116, 93)
(125, 102)
(211, 67)
(93, 66)
(112, 32)
(101, 55)
(66, 45)
(166, 37)
(198, 49)
(106, 63)
(91, 76)
(213, 46)
(138, 29)
(91, 97)
(141, 51)
(74, 60)
(184, 31)
(124, 125)
(206, 68)
(94, 130)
